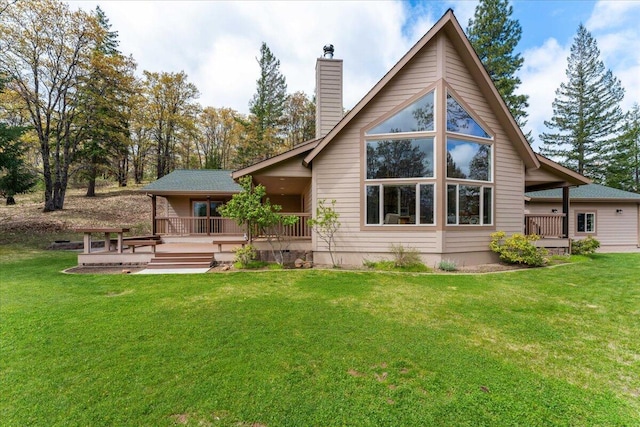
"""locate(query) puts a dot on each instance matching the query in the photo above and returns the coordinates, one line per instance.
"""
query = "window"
(402, 158)
(586, 222)
(417, 117)
(460, 121)
(468, 160)
(469, 205)
(399, 166)
(400, 204)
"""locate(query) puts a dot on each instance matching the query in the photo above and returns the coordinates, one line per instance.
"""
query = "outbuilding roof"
(200, 181)
(592, 192)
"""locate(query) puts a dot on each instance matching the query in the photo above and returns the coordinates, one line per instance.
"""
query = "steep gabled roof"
(591, 192)
(202, 181)
(448, 24)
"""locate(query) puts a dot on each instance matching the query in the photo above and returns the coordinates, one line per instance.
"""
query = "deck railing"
(544, 225)
(185, 225)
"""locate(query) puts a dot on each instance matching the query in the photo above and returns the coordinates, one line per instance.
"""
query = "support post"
(565, 211)
(154, 209)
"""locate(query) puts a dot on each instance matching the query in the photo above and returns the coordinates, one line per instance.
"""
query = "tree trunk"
(10, 201)
(91, 181)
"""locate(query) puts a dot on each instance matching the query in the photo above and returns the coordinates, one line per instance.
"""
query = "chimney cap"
(328, 51)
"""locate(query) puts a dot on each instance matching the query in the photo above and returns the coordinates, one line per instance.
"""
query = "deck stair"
(176, 260)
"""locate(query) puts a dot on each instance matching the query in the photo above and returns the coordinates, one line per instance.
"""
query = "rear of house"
(609, 215)
(430, 158)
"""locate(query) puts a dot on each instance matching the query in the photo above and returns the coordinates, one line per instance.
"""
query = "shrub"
(518, 249)
(586, 246)
(245, 255)
(405, 257)
(447, 265)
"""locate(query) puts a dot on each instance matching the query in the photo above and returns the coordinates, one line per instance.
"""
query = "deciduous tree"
(171, 111)
(299, 119)
(45, 49)
(220, 134)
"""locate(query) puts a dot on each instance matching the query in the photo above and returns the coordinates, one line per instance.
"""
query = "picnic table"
(119, 231)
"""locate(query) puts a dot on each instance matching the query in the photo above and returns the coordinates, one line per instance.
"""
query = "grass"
(556, 346)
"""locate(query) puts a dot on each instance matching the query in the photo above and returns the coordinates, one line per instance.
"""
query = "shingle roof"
(195, 181)
(590, 191)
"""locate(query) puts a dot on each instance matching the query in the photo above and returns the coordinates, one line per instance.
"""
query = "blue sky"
(216, 42)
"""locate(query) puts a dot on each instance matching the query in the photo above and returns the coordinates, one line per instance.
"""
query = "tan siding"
(307, 202)
(328, 94)
(612, 229)
(508, 167)
(289, 168)
(179, 206)
(337, 169)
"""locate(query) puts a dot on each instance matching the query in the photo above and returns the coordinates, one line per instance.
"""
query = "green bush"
(518, 249)
(447, 265)
(586, 246)
(245, 255)
(405, 257)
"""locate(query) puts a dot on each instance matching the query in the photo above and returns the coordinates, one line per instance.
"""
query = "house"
(430, 158)
(610, 215)
(190, 201)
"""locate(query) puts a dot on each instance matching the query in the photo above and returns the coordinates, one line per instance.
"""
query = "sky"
(216, 43)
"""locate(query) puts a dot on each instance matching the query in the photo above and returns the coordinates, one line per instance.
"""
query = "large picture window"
(399, 204)
(402, 158)
(468, 160)
(469, 205)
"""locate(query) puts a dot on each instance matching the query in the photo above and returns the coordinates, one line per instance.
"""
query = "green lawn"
(556, 346)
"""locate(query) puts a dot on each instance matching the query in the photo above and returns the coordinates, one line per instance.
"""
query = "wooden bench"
(229, 242)
(133, 244)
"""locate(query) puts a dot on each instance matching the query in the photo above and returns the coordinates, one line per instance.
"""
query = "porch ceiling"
(283, 185)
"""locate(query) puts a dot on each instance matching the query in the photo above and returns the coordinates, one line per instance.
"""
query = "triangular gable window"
(417, 117)
(460, 121)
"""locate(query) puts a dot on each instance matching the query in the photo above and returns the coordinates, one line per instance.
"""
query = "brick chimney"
(328, 92)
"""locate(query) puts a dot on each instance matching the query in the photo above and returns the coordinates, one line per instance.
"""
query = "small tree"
(326, 224)
(259, 216)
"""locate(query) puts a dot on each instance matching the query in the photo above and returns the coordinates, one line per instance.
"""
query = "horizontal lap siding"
(508, 166)
(337, 169)
(612, 229)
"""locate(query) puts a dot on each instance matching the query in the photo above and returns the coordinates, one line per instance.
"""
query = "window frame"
(381, 204)
(481, 205)
(593, 223)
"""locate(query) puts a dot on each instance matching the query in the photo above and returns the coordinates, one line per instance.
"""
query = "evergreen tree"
(15, 178)
(586, 111)
(267, 107)
(624, 164)
(104, 108)
(494, 36)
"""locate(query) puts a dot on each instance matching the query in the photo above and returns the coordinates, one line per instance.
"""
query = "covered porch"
(552, 228)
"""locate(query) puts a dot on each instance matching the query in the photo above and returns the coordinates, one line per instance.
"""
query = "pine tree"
(494, 36)
(624, 163)
(267, 107)
(105, 93)
(586, 111)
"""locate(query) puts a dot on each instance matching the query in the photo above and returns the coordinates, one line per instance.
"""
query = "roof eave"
(300, 149)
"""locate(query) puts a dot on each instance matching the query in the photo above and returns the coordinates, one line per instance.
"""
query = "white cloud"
(543, 71)
(607, 14)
